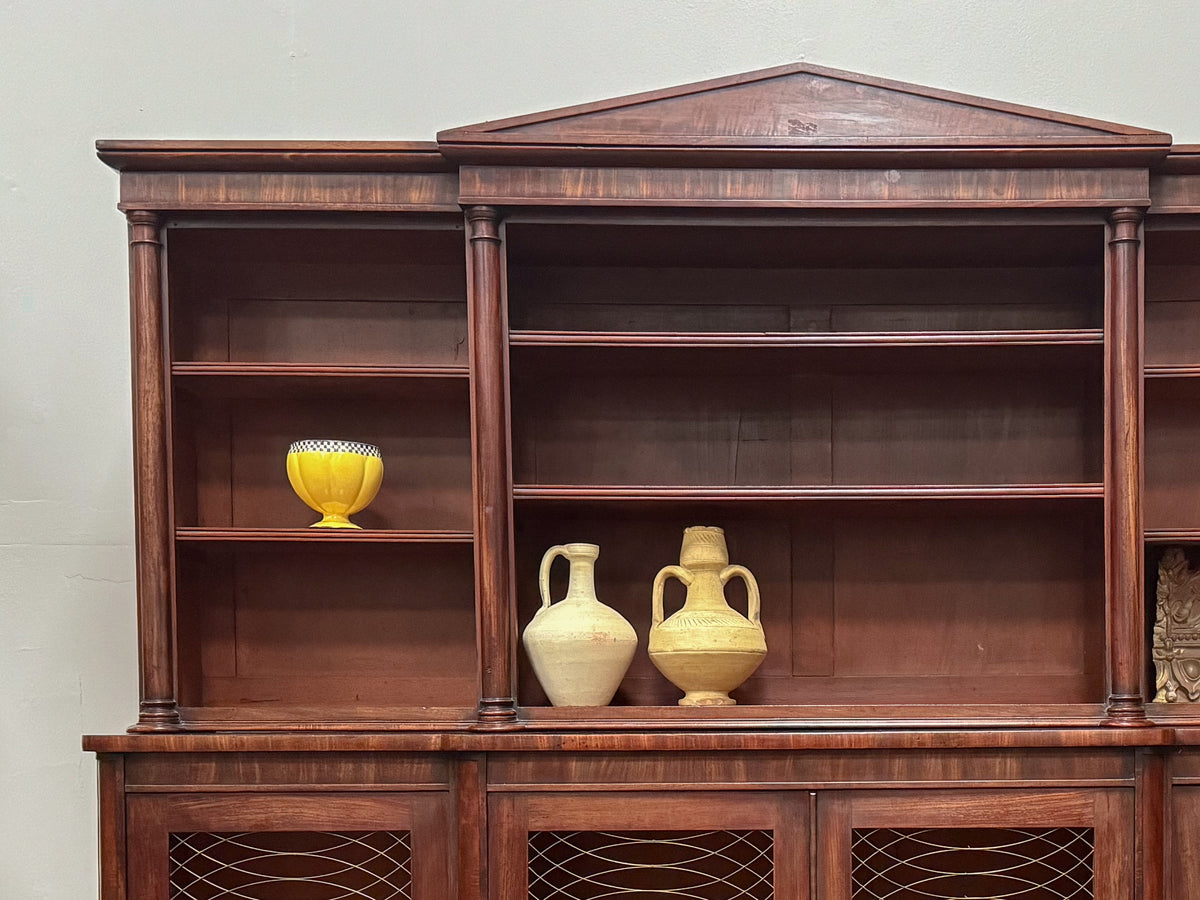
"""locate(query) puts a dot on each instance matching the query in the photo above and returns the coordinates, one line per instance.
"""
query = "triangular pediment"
(800, 111)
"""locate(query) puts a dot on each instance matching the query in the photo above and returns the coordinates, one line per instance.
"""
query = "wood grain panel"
(797, 188)
(645, 424)
(1184, 871)
(318, 296)
(1005, 597)
(201, 771)
(321, 191)
(338, 627)
(768, 770)
(668, 298)
(113, 838)
(1171, 497)
(653, 427)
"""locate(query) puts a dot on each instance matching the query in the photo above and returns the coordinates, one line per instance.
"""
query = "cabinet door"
(975, 845)
(1184, 855)
(328, 846)
(703, 845)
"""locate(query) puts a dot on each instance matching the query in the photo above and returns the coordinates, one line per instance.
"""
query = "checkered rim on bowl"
(325, 445)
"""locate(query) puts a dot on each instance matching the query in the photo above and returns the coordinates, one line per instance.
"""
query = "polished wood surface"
(1123, 476)
(493, 469)
(804, 114)
(152, 497)
(805, 188)
(894, 339)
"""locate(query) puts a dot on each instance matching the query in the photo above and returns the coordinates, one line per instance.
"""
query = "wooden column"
(492, 470)
(152, 521)
(1123, 468)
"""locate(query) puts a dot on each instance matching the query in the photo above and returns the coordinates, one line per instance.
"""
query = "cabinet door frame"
(512, 816)
(1109, 812)
(152, 818)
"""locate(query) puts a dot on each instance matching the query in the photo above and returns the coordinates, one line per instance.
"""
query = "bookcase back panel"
(1172, 491)
(337, 627)
(701, 299)
(801, 279)
(711, 427)
(316, 296)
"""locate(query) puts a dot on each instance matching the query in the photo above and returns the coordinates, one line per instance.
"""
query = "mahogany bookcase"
(932, 361)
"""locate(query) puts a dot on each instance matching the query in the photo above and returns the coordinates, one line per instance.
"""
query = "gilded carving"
(1177, 630)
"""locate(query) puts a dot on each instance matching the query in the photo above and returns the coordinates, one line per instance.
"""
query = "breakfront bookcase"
(932, 361)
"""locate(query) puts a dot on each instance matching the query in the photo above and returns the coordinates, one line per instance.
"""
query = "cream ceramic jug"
(580, 649)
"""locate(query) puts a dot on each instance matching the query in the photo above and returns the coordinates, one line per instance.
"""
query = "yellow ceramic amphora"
(336, 478)
(706, 649)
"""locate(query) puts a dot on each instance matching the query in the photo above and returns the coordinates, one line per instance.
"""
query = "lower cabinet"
(834, 825)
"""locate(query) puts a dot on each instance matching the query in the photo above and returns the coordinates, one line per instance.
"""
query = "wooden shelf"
(1008, 338)
(300, 370)
(1172, 535)
(1172, 371)
(677, 493)
(320, 535)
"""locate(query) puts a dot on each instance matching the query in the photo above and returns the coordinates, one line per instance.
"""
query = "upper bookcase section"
(802, 115)
(797, 136)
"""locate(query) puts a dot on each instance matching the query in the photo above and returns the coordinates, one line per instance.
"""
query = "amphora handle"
(660, 580)
(752, 598)
(544, 572)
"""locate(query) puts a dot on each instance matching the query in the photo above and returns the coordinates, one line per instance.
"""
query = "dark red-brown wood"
(1123, 470)
(152, 511)
(493, 468)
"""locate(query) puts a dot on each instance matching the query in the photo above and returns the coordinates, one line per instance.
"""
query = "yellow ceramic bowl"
(336, 478)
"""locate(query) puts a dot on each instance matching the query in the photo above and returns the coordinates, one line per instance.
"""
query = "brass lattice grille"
(972, 864)
(696, 865)
(291, 865)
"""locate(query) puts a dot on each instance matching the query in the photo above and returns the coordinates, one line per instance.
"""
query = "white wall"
(71, 72)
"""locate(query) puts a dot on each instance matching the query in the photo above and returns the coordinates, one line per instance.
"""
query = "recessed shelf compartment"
(318, 296)
(776, 279)
(1172, 490)
(727, 418)
(1172, 300)
(345, 630)
(231, 437)
(872, 606)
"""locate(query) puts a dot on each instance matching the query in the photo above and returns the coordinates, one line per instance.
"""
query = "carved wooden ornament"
(1177, 630)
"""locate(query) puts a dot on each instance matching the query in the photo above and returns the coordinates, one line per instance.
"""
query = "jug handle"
(751, 589)
(544, 572)
(660, 581)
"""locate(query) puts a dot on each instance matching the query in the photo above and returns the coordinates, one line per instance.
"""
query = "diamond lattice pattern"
(972, 864)
(291, 865)
(624, 865)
